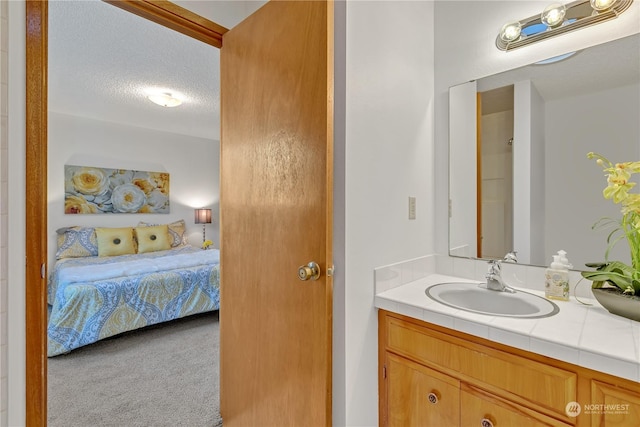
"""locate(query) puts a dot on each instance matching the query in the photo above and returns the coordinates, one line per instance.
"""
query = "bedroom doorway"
(121, 128)
(282, 332)
(165, 14)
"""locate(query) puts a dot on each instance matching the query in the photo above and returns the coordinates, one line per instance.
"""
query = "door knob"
(309, 271)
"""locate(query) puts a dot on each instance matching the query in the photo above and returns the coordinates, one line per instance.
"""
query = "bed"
(93, 297)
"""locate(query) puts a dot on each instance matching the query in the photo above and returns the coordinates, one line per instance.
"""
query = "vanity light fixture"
(558, 19)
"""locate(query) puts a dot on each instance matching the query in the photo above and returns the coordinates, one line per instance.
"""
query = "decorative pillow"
(76, 242)
(153, 238)
(177, 229)
(115, 241)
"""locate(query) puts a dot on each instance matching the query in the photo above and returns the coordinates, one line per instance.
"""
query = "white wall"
(14, 367)
(4, 199)
(389, 157)
(538, 257)
(522, 170)
(193, 165)
(339, 363)
(471, 54)
(584, 123)
(528, 174)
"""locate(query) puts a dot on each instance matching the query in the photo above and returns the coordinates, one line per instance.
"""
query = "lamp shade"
(203, 216)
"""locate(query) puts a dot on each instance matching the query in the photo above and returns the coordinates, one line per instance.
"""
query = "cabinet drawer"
(481, 409)
(545, 386)
(419, 396)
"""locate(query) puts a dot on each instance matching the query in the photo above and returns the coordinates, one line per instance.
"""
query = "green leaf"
(615, 273)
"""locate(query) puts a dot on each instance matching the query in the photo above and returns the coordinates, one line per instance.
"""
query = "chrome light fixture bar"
(558, 19)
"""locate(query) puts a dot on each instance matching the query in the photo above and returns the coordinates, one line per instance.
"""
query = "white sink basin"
(470, 297)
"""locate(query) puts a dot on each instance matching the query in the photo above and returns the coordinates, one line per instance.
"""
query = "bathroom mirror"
(519, 177)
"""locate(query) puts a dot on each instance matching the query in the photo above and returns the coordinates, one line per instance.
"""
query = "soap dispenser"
(557, 278)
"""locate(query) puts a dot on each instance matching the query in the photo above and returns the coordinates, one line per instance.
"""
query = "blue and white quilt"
(92, 298)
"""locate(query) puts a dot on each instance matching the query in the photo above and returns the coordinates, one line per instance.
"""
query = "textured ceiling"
(102, 58)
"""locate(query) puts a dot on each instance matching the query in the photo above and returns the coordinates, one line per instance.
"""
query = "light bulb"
(553, 15)
(510, 31)
(601, 5)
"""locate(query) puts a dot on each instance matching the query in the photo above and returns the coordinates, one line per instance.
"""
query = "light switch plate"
(412, 207)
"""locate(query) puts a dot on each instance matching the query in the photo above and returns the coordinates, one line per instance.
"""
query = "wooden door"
(276, 209)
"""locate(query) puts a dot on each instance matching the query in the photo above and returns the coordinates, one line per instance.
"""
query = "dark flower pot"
(618, 303)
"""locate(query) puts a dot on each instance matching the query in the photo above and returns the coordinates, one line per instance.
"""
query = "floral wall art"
(93, 190)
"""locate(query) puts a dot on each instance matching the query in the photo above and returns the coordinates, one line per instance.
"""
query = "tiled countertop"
(587, 336)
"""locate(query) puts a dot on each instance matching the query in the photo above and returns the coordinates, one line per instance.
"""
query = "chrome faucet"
(511, 256)
(494, 275)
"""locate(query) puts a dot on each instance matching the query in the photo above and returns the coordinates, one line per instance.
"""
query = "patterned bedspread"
(93, 298)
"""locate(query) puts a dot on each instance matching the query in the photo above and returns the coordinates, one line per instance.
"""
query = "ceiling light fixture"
(558, 19)
(164, 99)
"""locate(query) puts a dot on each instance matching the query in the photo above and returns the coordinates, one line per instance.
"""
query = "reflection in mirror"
(519, 174)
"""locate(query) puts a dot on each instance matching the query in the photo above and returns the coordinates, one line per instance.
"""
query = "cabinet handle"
(433, 397)
(486, 422)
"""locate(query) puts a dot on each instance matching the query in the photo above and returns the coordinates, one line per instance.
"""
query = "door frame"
(161, 12)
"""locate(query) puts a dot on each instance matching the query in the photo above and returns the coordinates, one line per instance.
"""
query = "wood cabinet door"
(419, 396)
(482, 409)
(612, 406)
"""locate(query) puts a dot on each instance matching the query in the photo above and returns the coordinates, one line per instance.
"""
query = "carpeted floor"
(163, 375)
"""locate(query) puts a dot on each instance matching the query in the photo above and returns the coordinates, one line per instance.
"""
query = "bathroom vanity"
(444, 367)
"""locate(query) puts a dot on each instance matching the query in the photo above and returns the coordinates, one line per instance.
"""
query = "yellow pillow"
(177, 231)
(154, 238)
(115, 241)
